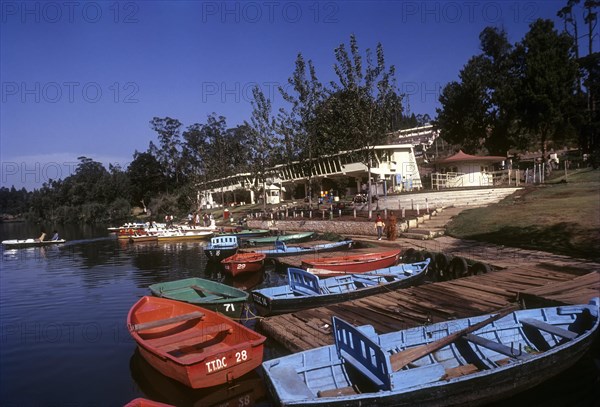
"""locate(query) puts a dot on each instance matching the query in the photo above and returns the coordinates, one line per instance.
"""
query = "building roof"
(462, 157)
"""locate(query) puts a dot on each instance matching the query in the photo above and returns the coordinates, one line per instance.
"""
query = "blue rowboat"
(470, 361)
(305, 290)
(282, 250)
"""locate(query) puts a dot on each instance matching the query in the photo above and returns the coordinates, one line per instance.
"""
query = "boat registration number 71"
(221, 363)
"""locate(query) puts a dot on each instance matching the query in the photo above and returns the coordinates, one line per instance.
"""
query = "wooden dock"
(435, 302)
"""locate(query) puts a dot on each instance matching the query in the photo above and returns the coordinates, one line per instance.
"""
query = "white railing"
(446, 180)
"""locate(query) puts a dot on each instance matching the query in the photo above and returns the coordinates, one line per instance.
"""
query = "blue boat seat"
(364, 281)
(497, 347)
(287, 381)
(551, 329)
(416, 376)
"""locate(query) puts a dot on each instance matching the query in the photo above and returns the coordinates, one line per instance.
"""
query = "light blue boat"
(281, 249)
(305, 290)
(471, 361)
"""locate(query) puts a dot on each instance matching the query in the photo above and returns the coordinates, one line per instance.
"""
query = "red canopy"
(462, 157)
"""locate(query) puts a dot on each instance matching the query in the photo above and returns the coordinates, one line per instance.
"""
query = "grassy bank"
(558, 217)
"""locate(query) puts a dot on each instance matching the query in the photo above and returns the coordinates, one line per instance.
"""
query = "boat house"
(464, 170)
(391, 165)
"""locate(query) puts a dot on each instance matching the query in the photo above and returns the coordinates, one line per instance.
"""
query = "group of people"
(390, 229)
(194, 219)
(43, 236)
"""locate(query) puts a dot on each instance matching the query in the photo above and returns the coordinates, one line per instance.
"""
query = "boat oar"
(405, 357)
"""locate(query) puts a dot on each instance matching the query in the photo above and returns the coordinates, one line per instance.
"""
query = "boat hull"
(183, 236)
(17, 243)
(243, 263)
(333, 266)
(281, 250)
(208, 294)
(203, 352)
(296, 237)
(280, 304)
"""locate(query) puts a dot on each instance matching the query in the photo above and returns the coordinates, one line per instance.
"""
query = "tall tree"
(357, 113)
(263, 141)
(299, 126)
(547, 83)
(168, 152)
(479, 111)
(146, 178)
(216, 156)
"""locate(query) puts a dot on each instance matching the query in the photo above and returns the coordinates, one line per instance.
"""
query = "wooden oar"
(403, 358)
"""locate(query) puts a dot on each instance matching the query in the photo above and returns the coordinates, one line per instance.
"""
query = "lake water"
(64, 340)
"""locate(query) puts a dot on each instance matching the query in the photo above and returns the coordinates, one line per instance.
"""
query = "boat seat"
(497, 347)
(364, 281)
(290, 384)
(416, 376)
(304, 291)
(193, 338)
(551, 329)
(166, 321)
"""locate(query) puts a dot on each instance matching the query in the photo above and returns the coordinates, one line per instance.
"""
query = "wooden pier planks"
(427, 303)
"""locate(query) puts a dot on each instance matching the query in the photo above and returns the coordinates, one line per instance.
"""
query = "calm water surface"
(64, 340)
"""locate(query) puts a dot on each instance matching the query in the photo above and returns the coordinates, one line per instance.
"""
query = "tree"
(216, 157)
(479, 112)
(168, 152)
(263, 141)
(358, 113)
(146, 178)
(547, 83)
(299, 126)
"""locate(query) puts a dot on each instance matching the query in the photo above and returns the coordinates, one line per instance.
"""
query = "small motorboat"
(221, 246)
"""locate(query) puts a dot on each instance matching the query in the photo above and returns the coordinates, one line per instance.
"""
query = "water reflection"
(248, 390)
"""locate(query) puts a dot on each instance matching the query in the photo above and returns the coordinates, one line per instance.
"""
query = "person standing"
(379, 224)
(391, 230)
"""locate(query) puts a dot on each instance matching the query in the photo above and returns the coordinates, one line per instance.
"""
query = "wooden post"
(565, 162)
(417, 209)
(403, 213)
(339, 213)
(426, 205)
(355, 212)
(412, 205)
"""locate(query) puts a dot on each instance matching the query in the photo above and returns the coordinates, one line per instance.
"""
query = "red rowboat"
(357, 263)
(142, 402)
(244, 263)
(195, 346)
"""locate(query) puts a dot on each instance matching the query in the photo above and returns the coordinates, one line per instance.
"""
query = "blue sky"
(85, 78)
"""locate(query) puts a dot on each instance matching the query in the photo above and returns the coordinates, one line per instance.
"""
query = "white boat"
(15, 243)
